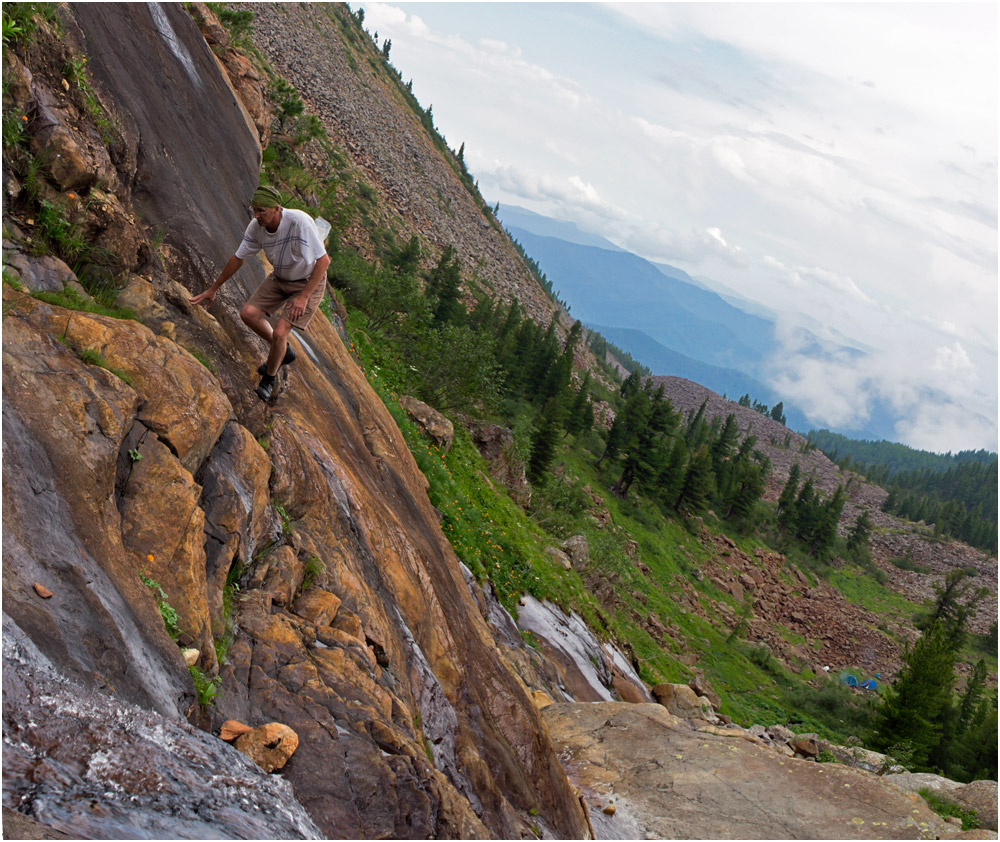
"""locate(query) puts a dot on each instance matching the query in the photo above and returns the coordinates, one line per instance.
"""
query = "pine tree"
(747, 489)
(857, 541)
(544, 441)
(405, 259)
(581, 415)
(698, 486)
(671, 478)
(444, 287)
(786, 502)
(805, 516)
(973, 695)
(824, 533)
(910, 711)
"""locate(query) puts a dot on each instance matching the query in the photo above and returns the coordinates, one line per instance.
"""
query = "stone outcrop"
(684, 702)
(980, 796)
(496, 445)
(587, 670)
(668, 781)
(435, 426)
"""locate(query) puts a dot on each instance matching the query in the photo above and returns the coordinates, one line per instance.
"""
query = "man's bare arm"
(231, 268)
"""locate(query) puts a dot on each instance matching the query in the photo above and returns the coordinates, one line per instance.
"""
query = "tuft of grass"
(20, 20)
(203, 358)
(171, 621)
(314, 568)
(92, 357)
(205, 688)
(907, 563)
(286, 521)
(12, 282)
(71, 299)
(944, 808)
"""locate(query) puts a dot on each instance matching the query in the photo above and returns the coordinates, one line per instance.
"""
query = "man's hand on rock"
(206, 297)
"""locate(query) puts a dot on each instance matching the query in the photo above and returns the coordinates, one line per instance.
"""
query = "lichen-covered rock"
(578, 550)
(980, 796)
(164, 528)
(496, 445)
(45, 273)
(317, 606)
(682, 701)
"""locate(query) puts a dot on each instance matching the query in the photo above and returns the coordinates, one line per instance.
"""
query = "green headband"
(266, 196)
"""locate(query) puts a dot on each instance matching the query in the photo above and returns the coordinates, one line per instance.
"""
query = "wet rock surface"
(90, 765)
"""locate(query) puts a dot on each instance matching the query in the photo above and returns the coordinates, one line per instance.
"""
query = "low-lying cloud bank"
(926, 395)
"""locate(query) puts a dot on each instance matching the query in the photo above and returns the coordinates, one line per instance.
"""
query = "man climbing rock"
(292, 292)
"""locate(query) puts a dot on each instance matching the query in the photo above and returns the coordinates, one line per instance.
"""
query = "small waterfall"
(94, 766)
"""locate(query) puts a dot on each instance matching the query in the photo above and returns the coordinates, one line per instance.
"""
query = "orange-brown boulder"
(269, 746)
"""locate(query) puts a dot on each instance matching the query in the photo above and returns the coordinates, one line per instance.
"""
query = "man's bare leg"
(279, 342)
(256, 320)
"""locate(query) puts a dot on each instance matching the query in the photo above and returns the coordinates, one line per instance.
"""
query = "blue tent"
(849, 680)
(870, 684)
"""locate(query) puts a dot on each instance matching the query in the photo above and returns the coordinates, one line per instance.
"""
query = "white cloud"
(568, 194)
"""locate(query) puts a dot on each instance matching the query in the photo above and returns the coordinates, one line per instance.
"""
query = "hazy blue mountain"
(724, 381)
(622, 289)
(514, 217)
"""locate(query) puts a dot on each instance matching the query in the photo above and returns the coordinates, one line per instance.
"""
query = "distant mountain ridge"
(526, 220)
(677, 324)
(623, 289)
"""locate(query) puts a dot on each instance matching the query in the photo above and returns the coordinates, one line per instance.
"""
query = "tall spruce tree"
(786, 502)
(444, 287)
(581, 414)
(908, 720)
(857, 540)
(544, 441)
(699, 485)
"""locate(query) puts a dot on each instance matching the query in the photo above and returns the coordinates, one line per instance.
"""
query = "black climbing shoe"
(266, 387)
(289, 358)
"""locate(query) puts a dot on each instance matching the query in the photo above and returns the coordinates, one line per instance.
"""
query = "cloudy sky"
(833, 160)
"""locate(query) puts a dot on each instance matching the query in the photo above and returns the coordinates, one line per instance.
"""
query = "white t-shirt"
(293, 249)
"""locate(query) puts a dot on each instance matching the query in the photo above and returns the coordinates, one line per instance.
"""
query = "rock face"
(496, 444)
(90, 765)
(140, 483)
(980, 796)
(667, 781)
(587, 670)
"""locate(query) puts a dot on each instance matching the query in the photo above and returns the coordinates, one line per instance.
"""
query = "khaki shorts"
(273, 295)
